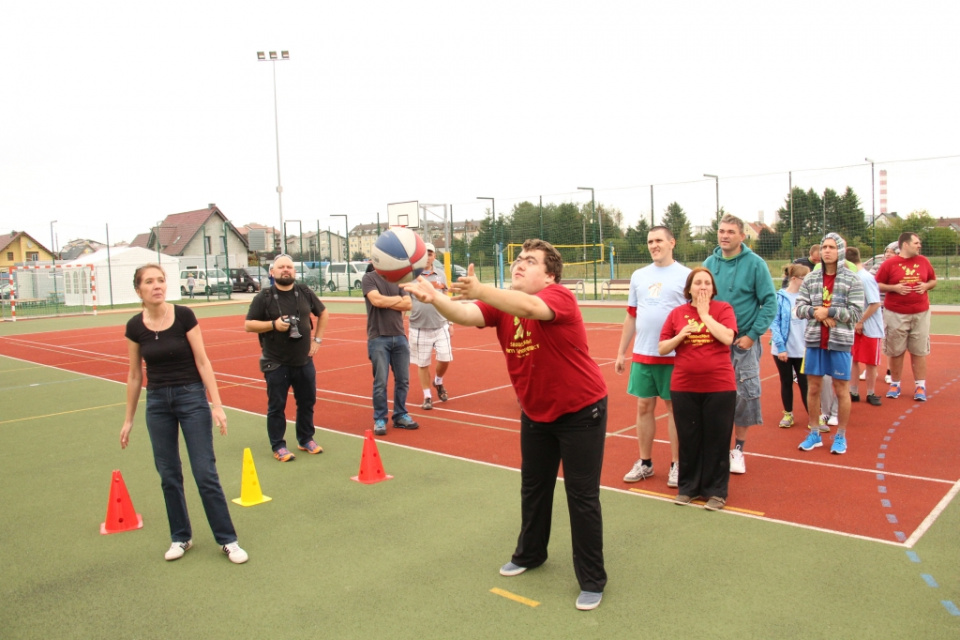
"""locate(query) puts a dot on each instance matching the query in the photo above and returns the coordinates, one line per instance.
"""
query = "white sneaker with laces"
(639, 472)
(177, 549)
(737, 463)
(833, 421)
(673, 478)
(235, 553)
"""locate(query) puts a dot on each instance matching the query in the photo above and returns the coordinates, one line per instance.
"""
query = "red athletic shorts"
(866, 350)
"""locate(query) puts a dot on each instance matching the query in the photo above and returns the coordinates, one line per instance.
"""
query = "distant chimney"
(212, 205)
(760, 217)
(883, 191)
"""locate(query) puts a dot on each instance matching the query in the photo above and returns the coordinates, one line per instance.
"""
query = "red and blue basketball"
(399, 255)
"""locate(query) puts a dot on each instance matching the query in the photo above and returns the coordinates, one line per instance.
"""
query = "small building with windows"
(110, 272)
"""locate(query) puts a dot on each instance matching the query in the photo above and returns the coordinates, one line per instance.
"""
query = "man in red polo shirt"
(906, 279)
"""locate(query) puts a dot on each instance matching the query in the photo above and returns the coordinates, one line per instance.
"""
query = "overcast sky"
(120, 113)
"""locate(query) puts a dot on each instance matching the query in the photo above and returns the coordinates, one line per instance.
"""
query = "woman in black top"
(168, 338)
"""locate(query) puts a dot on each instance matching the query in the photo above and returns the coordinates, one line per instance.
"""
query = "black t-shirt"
(271, 304)
(169, 357)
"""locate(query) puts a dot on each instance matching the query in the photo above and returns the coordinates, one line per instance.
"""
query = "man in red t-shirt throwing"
(563, 402)
(906, 279)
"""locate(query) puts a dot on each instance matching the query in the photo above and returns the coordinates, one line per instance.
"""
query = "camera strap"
(296, 294)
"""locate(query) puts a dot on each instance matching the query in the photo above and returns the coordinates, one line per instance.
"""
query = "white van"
(207, 281)
(340, 274)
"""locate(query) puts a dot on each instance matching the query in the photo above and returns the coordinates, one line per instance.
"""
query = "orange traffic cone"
(121, 516)
(371, 467)
(250, 493)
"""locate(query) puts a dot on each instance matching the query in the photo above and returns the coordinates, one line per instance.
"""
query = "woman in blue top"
(179, 375)
(788, 346)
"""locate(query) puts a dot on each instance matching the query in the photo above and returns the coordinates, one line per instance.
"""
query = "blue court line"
(929, 579)
(882, 489)
(900, 535)
(883, 447)
(951, 608)
(885, 503)
(880, 476)
(879, 465)
(881, 456)
(892, 519)
(913, 556)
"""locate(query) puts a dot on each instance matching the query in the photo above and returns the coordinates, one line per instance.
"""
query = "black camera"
(293, 321)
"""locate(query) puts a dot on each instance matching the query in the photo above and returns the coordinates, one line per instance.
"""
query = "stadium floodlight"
(285, 55)
(873, 206)
(717, 180)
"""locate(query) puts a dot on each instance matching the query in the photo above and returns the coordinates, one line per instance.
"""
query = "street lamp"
(493, 210)
(873, 207)
(346, 239)
(717, 180)
(284, 55)
(593, 214)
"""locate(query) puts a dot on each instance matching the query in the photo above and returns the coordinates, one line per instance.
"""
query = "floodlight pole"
(53, 254)
(873, 206)
(284, 55)
(717, 180)
(593, 213)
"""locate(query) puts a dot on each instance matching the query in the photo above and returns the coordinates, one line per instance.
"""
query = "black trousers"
(704, 426)
(786, 371)
(576, 439)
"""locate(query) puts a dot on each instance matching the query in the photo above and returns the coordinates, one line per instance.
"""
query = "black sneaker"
(441, 393)
(405, 422)
(854, 397)
(427, 404)
(874, 400)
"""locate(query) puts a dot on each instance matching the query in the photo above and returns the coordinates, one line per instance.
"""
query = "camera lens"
(294, 329)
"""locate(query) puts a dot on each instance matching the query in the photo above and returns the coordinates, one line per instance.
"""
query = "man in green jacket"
(744, 281)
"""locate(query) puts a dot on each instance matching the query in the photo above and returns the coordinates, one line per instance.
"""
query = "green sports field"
(413, 557)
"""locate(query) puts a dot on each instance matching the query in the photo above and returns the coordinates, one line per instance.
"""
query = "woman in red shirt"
(703, 388)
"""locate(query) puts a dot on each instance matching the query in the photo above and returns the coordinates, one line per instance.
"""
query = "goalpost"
(43, 291)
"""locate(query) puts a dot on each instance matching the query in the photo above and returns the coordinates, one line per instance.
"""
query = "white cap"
(430, 247)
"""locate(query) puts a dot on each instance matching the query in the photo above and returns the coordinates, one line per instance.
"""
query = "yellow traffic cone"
(250, 493)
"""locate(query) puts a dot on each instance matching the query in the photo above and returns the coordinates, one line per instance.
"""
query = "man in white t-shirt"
(655, 290)
(868, 339)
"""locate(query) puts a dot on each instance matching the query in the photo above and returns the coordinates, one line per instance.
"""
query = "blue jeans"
(389, 352)
(170, 410)
(279, 381)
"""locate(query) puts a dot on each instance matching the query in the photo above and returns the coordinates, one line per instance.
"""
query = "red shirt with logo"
(911, 271)
(549, 362)
(703, 363)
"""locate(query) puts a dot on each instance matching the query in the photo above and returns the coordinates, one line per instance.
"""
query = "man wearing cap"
(429, 332)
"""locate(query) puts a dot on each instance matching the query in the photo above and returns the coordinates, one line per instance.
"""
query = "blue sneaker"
(812, 441)
(894, 391)
(405, 422)
(379, 427)
(920, 394)
(839, 444)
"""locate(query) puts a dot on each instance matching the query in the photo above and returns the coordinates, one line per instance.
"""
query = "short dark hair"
(666, 230)
(552, 260)
(853, 255)
(904, 238)
(689, 284)
(731, 219)
(796, 270)
(813, 247)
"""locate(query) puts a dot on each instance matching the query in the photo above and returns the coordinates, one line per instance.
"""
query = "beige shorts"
(906, 332)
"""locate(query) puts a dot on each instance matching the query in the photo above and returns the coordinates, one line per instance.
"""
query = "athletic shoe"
(235, 553)
(379, 427)
(283, 455)
(737, 463)
(427, 404)
(311, 448)
(639, 472)
(682, 499)
(177, 549)
(874, 400)
(811, 442)
(511, 569)
(887, 378)
(839, 445)
(589, 600)
(863, 374)
(405, 422)
(920, 394)
(787, 420)
(894, 390)
(854, 397)
(715, 503)
(441, 393)
(673, 476)
(833, 421)
(822, 426)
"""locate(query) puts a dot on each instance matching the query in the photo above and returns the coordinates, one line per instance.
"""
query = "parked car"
(874, 261)
(457, 271)
(5, 291)
(207, 281)
(340, 274)
(244, 279)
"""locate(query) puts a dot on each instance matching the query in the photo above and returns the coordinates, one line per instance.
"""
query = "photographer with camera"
(289, 338)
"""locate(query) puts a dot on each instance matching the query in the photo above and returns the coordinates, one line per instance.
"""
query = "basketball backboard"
(404, 214)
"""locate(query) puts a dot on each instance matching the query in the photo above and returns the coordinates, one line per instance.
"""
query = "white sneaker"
(833, 421)
(888, 379)
(673, 478)
(235, 553)
(863, 374)
(639, 472)
(177, 549)
(737, 463)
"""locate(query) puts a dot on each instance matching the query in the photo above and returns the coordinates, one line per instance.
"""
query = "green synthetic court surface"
(414, 557)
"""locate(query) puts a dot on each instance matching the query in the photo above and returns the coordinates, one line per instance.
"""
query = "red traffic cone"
(371, 467)
(121, 515)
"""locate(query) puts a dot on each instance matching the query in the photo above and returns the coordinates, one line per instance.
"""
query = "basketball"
(399, 255)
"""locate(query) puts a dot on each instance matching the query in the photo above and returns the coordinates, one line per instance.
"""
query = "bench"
(614, 286)
(577, 287)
